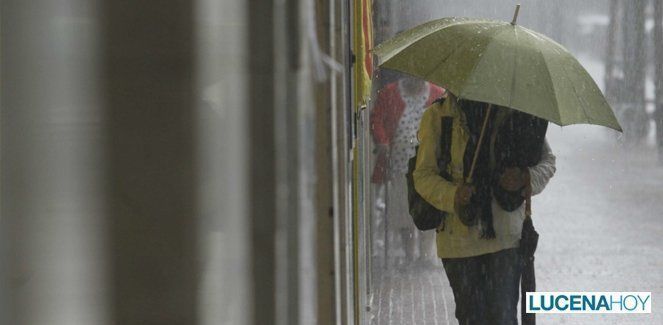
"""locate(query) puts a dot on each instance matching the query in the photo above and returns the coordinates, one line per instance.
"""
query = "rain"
(598, 216)
(268, 162)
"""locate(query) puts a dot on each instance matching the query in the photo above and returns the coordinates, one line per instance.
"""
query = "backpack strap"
(424, 215)
(445, 146)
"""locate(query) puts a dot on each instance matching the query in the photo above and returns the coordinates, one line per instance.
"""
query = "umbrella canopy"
(500, 63)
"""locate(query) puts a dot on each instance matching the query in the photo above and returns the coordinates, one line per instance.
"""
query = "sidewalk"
(418, 295)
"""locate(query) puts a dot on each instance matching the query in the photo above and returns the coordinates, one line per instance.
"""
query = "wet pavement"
(417, 295)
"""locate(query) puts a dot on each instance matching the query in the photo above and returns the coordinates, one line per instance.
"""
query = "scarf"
(518, 142)
(479, 209)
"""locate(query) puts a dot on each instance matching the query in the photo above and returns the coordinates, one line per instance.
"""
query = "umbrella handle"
(476, 151)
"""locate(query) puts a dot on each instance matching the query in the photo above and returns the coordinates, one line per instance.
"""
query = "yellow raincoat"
(456, 239)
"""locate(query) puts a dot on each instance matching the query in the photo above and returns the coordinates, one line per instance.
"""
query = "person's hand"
(464, 194)
(513, 178)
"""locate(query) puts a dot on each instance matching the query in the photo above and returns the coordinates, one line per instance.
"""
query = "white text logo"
(588, 302)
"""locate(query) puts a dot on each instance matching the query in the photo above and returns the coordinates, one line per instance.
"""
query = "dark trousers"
(486, 287)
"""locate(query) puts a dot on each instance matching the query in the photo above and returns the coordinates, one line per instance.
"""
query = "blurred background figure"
(394, 123)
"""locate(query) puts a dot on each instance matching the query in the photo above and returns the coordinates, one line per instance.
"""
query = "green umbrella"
(500, 63)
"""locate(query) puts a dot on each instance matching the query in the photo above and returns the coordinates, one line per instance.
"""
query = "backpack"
(424, 215)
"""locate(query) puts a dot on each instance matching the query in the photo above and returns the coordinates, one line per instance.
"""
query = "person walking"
(394, 122)
(479, 239)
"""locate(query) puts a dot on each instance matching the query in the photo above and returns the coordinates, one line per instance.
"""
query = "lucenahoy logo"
(589, 302)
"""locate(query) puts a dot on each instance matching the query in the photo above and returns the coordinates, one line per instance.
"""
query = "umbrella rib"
(404, 43)
(474, 68)
(583, 104)
(580, 98)
(426, 76)
(437, 66)
(552, 83)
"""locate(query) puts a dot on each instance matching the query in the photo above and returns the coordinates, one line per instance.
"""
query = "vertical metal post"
(149, 103)
(51, 221)
(328, 34)
(222, 83)
(341, 157)
(340, 134)
(634, 62)
(262, 172)
(608, 78)
(281, 119)
(658, 75)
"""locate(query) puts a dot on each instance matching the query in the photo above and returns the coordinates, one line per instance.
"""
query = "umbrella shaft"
(476, 151)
